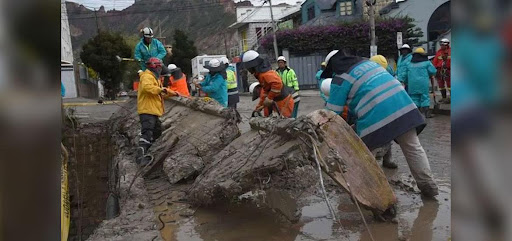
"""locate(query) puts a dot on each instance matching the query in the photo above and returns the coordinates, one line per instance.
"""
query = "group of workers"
(372, 94)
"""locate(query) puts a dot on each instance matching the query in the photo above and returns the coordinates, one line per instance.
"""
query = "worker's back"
(180, 85)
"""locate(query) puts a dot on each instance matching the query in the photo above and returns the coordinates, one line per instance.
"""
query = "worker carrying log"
(233, 97)
(150, 106)
(215, 83)
(383, 110)
(178, 81)
(269, 87)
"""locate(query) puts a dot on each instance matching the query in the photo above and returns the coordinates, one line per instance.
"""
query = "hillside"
(205, 21)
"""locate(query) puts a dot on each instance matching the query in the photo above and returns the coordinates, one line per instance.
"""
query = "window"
(311, 12)
(346, 8)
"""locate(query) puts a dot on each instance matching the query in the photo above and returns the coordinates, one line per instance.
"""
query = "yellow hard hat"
(419, 50)
(379, 59)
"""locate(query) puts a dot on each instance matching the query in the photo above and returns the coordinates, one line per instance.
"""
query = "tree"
(353, 35)
(183, 51)
(100, 52)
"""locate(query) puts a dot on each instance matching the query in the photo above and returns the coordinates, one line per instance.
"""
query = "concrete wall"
(420, 10)
(66, 51)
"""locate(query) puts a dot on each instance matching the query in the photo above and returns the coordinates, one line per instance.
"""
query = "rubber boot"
(443, 94)
(141, 152)
(387, 161)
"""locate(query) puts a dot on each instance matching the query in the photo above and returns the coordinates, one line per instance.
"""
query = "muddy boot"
(387, 161)
(146, 160)
(429, 191)
(139, 155)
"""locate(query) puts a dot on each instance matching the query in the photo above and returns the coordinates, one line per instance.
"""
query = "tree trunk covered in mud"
(273, 146)
(193, 130)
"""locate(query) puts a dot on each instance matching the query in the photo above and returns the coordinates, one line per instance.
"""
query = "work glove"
(267, 102)
(259, 108)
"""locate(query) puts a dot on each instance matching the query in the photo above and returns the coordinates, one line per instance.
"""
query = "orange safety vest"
(180, 85)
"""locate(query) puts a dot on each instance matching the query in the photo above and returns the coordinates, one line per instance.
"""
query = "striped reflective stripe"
(275, 91)
(375, 92)
(387, 120)
(378, 100)
(233, 93)
(337, 80)
(295, 94)
(334, 107)
(349, 78)
(363, 80)
(296, 99)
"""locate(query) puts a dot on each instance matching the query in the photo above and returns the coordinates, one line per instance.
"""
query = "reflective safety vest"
(231, 81)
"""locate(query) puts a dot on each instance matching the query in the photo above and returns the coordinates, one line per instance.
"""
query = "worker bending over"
(270, 87)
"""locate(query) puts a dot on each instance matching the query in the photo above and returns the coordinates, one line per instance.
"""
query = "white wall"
(420, 10)
(66, 52)
(67, 76)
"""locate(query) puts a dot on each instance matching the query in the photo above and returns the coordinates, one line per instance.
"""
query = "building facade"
(431, 16)
(66, 56)
(326, 12)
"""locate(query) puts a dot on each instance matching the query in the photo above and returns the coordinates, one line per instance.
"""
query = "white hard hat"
(252, 86)
(329, 56)
(172, 67)
(445, 40)
(214, 63)
(249, 56)
(405, 46)
(224, 60)
(281, 58)
(326, 86)
(147, 32)
(251, 59)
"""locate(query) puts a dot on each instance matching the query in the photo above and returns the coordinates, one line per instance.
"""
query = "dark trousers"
(151, 129)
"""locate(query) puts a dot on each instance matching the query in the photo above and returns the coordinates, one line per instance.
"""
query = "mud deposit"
(158, 210)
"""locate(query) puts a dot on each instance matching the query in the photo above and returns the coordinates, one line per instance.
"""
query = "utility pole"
(273, 28)
(226, 45)
(96, 17)
(373, 45)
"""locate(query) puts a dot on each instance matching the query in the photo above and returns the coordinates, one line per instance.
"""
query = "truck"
(199, 63)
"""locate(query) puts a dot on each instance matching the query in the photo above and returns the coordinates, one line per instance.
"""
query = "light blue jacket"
(402, 63)
(216, 88)
(142, 52)
(382, 108)
(320, 80)
(417, 77)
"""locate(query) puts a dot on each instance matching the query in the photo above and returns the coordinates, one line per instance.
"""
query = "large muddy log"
(194, 129)
(257, 158)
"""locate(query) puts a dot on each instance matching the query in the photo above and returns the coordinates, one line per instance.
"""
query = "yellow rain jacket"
(149, 100)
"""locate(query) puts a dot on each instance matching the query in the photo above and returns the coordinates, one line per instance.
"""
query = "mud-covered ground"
(416, 219)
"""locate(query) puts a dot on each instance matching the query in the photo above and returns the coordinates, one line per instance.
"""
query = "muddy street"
(159, 208)
(416, 219)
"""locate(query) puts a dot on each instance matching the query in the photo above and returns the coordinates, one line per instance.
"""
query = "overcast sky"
(122, 4)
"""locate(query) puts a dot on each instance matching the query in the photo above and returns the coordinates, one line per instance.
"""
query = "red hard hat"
(153, 63)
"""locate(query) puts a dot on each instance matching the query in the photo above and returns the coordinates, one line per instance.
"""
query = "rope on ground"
(322, 181)
(315, 151)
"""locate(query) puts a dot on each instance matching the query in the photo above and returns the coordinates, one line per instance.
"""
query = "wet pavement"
(416, 219)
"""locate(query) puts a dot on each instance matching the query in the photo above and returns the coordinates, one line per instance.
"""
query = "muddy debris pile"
(201, 147)
(193, 131)
(260, 159)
